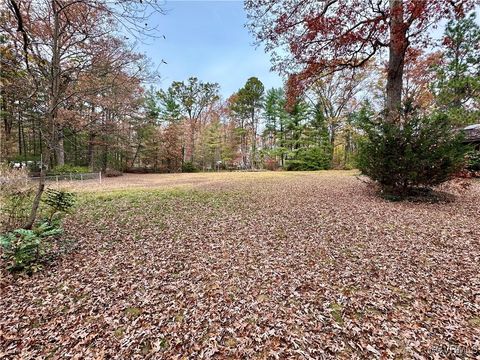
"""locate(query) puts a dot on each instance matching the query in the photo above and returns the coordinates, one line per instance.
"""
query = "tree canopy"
(308, 39)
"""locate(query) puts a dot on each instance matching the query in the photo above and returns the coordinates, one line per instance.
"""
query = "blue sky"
(208, 39)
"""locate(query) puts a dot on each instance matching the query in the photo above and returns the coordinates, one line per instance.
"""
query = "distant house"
(472, 135)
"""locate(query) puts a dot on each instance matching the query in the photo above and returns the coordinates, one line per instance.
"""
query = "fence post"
(100, 176)
(81, 177)
(57, 179)
(70, 176)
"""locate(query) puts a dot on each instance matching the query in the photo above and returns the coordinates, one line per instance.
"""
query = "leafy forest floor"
(252, 265)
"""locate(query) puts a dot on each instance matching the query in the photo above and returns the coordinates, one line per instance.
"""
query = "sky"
(207, 39)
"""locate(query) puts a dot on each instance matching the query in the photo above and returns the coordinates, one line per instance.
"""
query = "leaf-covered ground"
(265, 265)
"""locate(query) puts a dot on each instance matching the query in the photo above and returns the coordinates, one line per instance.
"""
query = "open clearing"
(252, 265)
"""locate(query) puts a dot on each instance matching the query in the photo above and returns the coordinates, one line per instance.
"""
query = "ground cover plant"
(252, 265)
(27, 248)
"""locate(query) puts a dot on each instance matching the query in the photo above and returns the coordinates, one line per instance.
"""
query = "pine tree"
(458, 86)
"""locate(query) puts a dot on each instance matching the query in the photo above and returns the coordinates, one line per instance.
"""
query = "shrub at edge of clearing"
(420, 152)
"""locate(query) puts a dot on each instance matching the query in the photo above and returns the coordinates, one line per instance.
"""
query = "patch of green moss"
(133, 312)
(119, 332)
(336, 312)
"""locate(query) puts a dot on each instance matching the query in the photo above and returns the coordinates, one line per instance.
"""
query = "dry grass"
(253, 265)
(188, 180)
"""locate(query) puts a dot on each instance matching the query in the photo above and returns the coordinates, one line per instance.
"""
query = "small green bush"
(59, 203)
(419, 152)
(189, 167)
(24, 249)
(311, 158)
(69, 169)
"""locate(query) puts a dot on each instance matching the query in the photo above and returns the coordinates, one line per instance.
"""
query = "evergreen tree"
(458, 86)
(247, 105)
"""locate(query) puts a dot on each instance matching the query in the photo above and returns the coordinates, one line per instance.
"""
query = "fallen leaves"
(293, 265)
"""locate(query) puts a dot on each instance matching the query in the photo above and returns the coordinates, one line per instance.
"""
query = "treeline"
(73, 94)
(188, 126)
(71, 83)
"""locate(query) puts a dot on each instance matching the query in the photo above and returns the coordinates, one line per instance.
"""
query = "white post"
(57, 179)
(81, 177)
(100, 176)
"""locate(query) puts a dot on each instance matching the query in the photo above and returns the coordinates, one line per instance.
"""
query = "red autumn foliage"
(310, 38)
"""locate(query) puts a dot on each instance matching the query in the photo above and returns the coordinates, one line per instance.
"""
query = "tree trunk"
(75, 150)
(38, 196)
(8, 124)
(396, 61)
(54, 100)
(192, 139)
(254, 141)
(34, 134)
(36, 201)
(254, 151)
(105, 157)
(59, 148)
(19, 135)
(457, 102)
(243, 149)
(90, 151)
(333, 137)
(24, 144)
(282, 142)
(136, 154)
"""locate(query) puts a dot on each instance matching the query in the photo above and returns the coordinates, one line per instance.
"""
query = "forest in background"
(77, 95)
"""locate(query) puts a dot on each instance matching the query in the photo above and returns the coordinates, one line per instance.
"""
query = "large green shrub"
(419, 152)
(310, 158)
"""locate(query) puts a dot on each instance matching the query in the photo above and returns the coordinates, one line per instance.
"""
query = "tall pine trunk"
(193, 129)
(254, 141)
